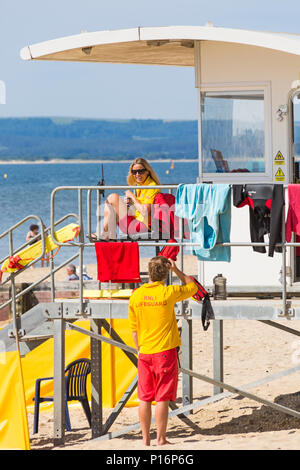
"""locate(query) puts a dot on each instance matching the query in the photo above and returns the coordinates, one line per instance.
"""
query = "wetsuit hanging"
(265, 203)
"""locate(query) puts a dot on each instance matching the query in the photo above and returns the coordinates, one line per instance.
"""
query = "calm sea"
(26, 189)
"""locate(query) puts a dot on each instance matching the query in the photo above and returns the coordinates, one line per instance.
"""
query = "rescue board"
(107, 294)
(30, 253)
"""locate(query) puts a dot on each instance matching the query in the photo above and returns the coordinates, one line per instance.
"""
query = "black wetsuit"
(265, 203)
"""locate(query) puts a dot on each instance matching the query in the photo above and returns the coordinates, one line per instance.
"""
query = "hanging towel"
(293, 215)
(265, 203)
(207, 207)
(118, 262)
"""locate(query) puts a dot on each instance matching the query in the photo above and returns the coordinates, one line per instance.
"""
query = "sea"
(25, 189)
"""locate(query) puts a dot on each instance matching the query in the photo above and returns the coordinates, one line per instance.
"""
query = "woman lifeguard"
(132, 213)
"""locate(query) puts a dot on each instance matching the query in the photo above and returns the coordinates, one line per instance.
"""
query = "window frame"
(242, 88)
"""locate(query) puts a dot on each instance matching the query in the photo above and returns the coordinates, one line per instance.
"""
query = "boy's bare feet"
(163, 442)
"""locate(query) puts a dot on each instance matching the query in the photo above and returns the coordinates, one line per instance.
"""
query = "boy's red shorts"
(158, 376)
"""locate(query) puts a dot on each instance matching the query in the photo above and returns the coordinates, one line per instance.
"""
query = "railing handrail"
(82, 244)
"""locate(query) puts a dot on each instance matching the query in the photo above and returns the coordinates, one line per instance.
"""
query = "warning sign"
(279, 175)
(279, 159)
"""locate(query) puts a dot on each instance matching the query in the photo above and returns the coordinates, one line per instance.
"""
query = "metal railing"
(81, 244)
(14, 251)
(153, 242)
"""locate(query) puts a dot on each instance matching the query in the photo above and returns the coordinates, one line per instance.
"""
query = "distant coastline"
(54, 161)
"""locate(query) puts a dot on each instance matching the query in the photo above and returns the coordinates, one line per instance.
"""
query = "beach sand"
(252, 350)
(36, 273)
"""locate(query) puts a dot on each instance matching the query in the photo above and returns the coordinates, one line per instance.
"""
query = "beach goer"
(33, 232)
(132, 213)
(85, 276)
(71, 273)
(155, 333)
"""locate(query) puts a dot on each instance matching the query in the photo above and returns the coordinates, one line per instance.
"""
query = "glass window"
(233, 132)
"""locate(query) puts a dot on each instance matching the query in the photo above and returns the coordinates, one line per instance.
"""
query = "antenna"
(102, 181)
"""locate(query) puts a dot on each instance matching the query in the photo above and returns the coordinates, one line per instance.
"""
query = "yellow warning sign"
(279, 159)
(279, 175)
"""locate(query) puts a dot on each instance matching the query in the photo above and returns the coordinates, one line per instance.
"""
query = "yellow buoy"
(167, 172)
(5, 175)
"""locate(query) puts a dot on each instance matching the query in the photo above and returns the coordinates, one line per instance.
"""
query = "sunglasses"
(142, 171)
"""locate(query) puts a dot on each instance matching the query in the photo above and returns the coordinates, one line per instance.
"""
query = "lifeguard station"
(248, 87)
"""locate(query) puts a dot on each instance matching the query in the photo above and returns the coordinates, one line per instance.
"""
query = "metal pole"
(52, 278)
(187, 358)
(96, 380)
(59, 381)
(187, 341)
(13, 289)
(81, 249)
(284, 306)
(218, 358)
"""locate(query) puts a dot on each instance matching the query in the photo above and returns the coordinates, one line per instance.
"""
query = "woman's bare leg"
(114, 210)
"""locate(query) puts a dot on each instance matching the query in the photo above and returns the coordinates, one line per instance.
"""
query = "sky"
(113, 91)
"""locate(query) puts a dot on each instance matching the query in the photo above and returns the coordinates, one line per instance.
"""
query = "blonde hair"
(141, 161)
(158, 268)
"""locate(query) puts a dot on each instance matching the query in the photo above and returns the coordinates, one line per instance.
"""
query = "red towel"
(293, 216)
(118, 261)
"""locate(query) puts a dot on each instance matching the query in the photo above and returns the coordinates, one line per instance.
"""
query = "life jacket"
(170, 252)
(164, 214)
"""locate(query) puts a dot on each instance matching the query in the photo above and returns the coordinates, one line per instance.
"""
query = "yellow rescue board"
(24, 257)
(107, 294)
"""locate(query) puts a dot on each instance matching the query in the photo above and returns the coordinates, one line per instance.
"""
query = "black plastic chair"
(75, 382)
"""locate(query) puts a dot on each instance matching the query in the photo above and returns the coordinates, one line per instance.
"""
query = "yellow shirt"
(146, 196)
(152, 316)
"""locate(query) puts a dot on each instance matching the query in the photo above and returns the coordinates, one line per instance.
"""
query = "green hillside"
(68, 138)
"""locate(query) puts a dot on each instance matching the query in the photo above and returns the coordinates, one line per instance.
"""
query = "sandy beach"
(252, 350)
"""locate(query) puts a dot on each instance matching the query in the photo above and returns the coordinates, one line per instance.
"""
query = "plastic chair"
(75, 389)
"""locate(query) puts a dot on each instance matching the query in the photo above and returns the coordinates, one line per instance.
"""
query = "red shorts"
(158, 376)
(129, 224)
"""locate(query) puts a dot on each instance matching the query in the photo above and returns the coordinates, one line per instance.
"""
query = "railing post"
(81, 250)
(59, 381)
(218, 358)
(96, 380)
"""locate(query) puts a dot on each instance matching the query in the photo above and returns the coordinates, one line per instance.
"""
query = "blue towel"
(207, 207)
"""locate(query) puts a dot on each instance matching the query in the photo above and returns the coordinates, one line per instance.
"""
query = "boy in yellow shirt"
(154, 328)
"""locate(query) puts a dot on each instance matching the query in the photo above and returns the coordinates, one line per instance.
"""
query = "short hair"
(33, 227)
(158, 268)
(72, 267)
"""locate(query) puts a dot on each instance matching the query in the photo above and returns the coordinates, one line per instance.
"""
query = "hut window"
(233, 132)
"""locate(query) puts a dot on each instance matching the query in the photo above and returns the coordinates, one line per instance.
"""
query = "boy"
(154, 329)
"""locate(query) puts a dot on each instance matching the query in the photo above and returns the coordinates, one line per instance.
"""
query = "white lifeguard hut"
(248, 87)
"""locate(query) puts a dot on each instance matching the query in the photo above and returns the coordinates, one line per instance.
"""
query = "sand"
(252, 350)
(35, 273)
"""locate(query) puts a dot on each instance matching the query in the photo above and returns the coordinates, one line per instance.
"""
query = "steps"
(34, 326)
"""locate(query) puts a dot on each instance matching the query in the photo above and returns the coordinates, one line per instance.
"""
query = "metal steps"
(34, 327)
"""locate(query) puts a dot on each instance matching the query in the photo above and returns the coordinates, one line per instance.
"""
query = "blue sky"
(110, 90)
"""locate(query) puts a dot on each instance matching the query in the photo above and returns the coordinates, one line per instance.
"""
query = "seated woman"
(132, 215)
